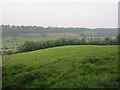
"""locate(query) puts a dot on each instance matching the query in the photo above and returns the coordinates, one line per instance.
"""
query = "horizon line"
(57, 26)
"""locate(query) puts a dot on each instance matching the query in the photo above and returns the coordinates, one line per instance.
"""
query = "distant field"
(82, 66)
(11, 43)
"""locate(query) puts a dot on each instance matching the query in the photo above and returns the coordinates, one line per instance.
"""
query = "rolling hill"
(78, 66)
(55, 32)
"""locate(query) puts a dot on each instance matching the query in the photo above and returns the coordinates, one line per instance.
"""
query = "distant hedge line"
(31, 45)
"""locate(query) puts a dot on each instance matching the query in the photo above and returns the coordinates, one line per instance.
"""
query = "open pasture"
(78, 66)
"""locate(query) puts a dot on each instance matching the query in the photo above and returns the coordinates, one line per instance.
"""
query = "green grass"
(80, 66)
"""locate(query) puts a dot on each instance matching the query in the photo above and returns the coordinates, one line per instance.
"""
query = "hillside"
(77, 66)
(12, 36)
(56, 32)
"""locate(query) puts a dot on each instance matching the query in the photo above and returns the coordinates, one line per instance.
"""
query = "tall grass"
(63, 67)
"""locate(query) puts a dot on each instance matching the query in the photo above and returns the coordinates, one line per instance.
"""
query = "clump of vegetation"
(97, 61)
(9, 52)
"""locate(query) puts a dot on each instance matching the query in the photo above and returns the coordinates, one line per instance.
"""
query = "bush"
(9, 52)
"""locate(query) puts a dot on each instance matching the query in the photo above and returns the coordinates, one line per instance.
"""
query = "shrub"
(9, 52)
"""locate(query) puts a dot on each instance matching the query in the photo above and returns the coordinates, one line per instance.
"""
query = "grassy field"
(80, 66)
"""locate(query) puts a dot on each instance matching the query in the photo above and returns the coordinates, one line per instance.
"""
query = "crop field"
(77, 66)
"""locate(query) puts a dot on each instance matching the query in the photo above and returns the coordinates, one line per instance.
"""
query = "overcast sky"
(63, 13)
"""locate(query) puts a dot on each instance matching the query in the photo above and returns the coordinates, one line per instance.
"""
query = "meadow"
(73, 66)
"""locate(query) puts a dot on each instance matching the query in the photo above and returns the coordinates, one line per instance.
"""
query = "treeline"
(11, 30)
(31, 45)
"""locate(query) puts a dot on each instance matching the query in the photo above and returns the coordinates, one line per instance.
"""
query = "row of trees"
(13, 30)
(31, 45)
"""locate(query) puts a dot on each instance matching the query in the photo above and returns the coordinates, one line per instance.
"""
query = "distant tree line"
(31, 45)
(11, 30)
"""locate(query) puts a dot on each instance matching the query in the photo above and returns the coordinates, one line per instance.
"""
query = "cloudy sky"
(61, 13)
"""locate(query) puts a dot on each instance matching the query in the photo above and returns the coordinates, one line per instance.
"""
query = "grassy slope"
(66, 66)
